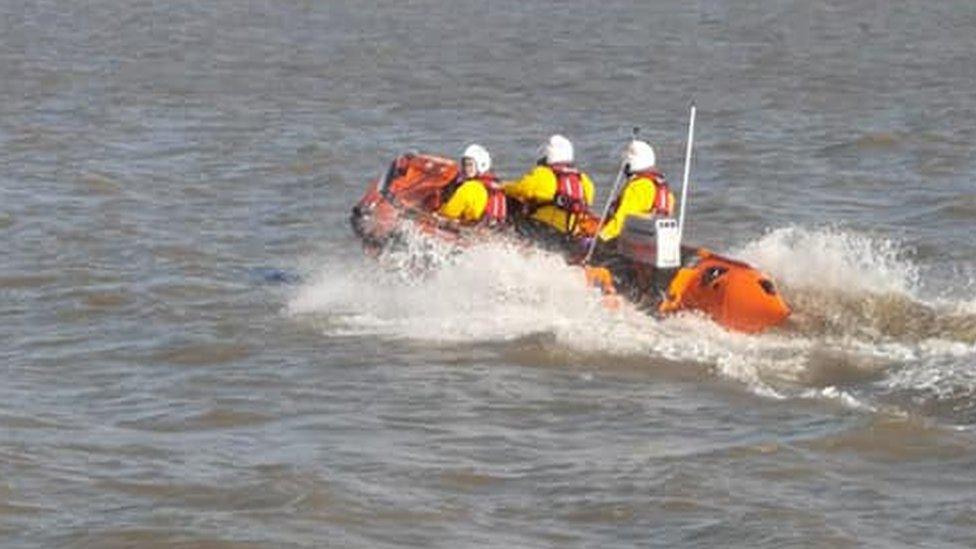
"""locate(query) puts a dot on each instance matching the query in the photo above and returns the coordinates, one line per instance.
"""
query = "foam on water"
(851, 332)
(966, 307)
(861, 296)
(434, 292)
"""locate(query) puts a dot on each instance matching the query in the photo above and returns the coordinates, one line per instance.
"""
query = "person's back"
(646, 191)
(477, 197)
(557, 193)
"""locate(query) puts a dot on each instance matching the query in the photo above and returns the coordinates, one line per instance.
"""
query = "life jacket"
(662, 193)
(496, 210)
(569, 189)
(569, 195)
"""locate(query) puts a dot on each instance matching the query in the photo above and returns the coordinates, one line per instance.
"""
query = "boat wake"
(860, 335)
(873, 336)
(425, 289)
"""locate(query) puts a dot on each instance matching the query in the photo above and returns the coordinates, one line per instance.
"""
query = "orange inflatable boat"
(732, 293)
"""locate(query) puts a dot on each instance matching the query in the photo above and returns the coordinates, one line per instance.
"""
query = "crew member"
(557, 193)
(646, 191)
(477, 196)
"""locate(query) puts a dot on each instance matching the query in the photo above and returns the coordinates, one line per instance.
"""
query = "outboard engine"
(654, 247)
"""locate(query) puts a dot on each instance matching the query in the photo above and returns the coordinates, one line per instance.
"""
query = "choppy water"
(196, 355)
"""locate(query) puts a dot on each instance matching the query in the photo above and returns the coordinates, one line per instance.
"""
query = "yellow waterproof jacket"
(638, 197)
(538, 186)
(467, 203)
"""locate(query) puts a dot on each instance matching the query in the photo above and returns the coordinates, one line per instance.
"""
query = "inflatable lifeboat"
(732, 293)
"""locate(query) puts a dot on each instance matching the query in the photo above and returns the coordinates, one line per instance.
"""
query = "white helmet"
(482, 160)
(639, 155)
(557, 150)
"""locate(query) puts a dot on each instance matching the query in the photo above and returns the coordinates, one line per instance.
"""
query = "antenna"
(606, 207)
(684, 181)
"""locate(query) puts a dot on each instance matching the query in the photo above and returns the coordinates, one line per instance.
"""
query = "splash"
(859, 326)
(845, 284)
(849, 284)
(432, 291)
(857, 304)
(834, 261)
(496, 292)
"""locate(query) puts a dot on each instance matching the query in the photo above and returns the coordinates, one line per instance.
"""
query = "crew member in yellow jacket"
(477, 196)
(556, 190)
(646, 191)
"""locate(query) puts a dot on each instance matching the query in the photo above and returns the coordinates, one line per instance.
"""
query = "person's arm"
(467, 203)
(633, 199)
(538, 185)
(589, 191)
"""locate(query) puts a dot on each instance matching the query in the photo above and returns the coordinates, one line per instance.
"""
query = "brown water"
(195, 354)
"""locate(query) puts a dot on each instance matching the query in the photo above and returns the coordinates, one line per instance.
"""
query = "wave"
(962, 207)
(860, 336)
(868, 142)
(428, 290)
(834, 260)
(848, 284)
(857, 299)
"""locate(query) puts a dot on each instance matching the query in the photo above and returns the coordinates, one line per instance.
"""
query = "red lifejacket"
(569, 189)
(496, 210)
(662, 193)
